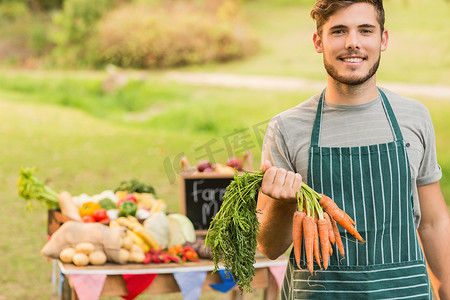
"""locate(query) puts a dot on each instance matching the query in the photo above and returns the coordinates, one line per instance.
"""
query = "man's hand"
(277, 203)
(280, 184)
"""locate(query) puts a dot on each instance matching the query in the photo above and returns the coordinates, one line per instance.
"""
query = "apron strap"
(391, 117)
(315, 135)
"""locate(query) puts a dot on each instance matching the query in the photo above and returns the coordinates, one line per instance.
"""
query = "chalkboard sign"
(201, 196)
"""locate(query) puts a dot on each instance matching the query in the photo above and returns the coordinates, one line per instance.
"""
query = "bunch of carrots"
(233, 230)
(315, 222)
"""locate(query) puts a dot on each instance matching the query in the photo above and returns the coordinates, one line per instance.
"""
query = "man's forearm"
(436, 244)
(275, 219)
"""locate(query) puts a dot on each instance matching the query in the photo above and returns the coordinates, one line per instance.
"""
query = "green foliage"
(24, 35)
(175, 34)
(78, 17)
(12, 10)
(150, 34)
(46, 4)
(35, 5)
(39, 39)
(76, 24)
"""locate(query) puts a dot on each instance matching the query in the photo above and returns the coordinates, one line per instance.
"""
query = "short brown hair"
(324, 9)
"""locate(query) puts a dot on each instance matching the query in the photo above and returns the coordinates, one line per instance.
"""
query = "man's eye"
(366, 31)
(337, 31)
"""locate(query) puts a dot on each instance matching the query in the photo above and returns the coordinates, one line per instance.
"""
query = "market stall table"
(165, 281)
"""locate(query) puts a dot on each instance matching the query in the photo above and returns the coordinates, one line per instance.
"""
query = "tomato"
(88, 219)
(100, 214)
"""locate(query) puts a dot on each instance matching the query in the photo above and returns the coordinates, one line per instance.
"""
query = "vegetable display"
(233, 230)
(129, 225)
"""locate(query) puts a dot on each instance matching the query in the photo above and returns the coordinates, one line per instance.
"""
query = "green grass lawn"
(84, 140)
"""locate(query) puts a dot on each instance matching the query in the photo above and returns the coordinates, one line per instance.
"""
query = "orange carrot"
(308, 234)
(330, 248)
(338, 237)
(330, 228)
(339, 216)
(328, 204)
(316, 245)
(322, 225)
(297, 234)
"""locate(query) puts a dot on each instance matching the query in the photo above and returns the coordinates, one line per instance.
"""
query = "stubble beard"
(350, 80)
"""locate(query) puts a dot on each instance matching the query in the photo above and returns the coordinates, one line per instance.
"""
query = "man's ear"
(317, 43)
(384, 40)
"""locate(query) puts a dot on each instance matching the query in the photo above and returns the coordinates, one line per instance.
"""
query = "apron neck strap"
(315, 136)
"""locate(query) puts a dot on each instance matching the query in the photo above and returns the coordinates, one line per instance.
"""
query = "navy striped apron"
(373, 185)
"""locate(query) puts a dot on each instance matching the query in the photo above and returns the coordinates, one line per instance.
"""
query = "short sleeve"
(429, 169)
(275, 148)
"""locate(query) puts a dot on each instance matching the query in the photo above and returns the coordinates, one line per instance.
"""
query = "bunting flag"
(278, 273)
(61, 281)
(190, 283)
(88, 286)
(136, 284)
(227, 283)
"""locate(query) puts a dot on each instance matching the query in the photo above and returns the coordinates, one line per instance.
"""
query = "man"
(373, 152)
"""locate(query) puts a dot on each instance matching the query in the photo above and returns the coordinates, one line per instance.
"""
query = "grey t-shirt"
(288, 135)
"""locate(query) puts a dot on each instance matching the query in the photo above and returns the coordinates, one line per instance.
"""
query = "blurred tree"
(11, 10)
(37, 5)
(173, 33)
(75, 25)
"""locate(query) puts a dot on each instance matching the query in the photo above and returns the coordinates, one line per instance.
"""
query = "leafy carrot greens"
(233, 230)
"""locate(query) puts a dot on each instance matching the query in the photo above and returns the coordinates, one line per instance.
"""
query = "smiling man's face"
(351, 43)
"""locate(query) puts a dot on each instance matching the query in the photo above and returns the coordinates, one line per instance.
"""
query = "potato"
(124, 255)
(86, 248)
(136, 248)
(67, 254)
(97, 257)
(80, 259)
(137, 257)
(126, 242)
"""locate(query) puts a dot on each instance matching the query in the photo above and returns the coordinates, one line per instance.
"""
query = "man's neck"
(339, 93)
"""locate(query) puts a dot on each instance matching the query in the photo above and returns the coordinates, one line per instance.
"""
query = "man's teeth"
(353, 59)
